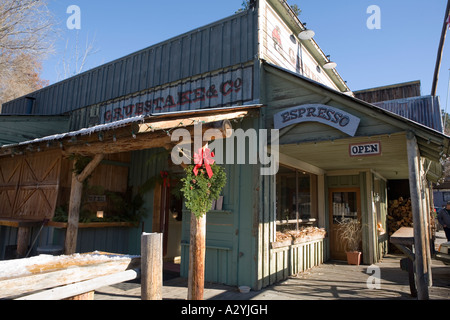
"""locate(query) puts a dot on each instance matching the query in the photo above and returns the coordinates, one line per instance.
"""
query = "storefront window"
(296, 198)
(344, 206)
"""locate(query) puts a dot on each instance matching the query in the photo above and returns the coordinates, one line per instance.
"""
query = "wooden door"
(161, 202)
(343, 203)
(29, 185)
(10, 169)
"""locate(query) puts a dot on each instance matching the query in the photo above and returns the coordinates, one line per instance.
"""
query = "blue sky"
(404, 49)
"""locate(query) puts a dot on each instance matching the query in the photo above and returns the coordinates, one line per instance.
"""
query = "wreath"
(203, 183)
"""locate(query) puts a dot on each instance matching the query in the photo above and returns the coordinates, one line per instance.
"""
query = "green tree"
(246, 5)
(296, 9)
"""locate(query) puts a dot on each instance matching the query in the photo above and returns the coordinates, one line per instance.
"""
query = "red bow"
(204, 156)
(165, 176)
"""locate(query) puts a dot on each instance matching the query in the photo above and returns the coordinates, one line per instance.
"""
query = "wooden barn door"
(29, 186)
(10, 169)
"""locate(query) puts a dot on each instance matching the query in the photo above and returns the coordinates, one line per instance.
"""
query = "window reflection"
(296, 198)
(344, 205)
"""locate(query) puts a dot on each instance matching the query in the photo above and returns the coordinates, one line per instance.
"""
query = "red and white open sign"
(365, 149)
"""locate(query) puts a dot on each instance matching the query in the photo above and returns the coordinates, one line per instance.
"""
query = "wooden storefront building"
(337, 153)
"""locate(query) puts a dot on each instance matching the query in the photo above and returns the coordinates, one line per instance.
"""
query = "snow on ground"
(21, 267)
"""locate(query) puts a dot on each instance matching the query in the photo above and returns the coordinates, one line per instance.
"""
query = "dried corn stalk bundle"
(281, 236)
(306, 234)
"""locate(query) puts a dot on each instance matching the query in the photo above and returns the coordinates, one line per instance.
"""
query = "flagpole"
(446, 103)
(440, 50)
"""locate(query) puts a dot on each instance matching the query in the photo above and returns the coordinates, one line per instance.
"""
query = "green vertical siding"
(230, 236)
(368, 236)
(221, 258)
(230, 233)
(383, 239)
(144, 165)
(294, 259)
(114, 239)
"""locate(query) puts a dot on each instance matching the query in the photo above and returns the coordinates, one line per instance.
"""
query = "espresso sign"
(365, 149)
(330, 116)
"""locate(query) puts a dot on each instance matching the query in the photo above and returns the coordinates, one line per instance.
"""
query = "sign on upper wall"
(216, 90)
(365, 149)
(282, 48)
(330, 116)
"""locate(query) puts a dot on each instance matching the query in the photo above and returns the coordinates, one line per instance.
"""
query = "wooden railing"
(77, 276)
(292, 258)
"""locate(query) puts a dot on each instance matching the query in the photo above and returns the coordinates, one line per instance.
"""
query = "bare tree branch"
(75, 57)
(26, 38)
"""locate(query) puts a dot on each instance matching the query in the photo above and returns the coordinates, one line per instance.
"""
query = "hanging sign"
(365, 149)
(330, 116)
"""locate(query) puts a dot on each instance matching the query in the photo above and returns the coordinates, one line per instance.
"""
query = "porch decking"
(330, 281)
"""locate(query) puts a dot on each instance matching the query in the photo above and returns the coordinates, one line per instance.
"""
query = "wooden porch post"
(421, 267)
(23, 239)
(151, 266)
(75, 203)
(197, 251)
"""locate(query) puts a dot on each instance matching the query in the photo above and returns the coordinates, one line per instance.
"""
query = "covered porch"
(354, 154)
(39, 175)
(339, 171)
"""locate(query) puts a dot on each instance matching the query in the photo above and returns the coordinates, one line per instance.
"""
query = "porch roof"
(433, 144)
(128, 134)
(15, 129)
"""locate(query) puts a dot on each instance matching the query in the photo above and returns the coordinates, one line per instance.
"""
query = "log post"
(75, 204)
(420, 264)
(23, 240)
(440, 51)
(74, 215)
(151, 266)
(197, 251)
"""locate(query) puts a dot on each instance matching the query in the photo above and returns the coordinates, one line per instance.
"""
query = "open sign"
(365, 149)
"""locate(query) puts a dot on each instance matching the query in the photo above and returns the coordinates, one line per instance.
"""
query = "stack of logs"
(399, 215)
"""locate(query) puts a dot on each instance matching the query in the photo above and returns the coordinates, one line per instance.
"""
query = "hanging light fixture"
(330, 64)
(306, 34)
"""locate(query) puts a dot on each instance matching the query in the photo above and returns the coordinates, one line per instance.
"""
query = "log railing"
(77, 276)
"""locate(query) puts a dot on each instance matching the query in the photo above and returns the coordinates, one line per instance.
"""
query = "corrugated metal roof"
(391, 92)
(16, 129)
(61, 133)
(224, 43)
(425, 110)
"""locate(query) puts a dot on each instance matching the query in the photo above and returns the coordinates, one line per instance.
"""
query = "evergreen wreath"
(199, 190)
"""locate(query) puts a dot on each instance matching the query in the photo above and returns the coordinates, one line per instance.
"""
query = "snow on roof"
(82, 132)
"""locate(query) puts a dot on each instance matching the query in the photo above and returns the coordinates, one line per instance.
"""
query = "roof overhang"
(18, 128)
(137, 133)
(433, 145)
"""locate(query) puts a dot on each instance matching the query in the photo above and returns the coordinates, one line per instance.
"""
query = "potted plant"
(350, 233)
